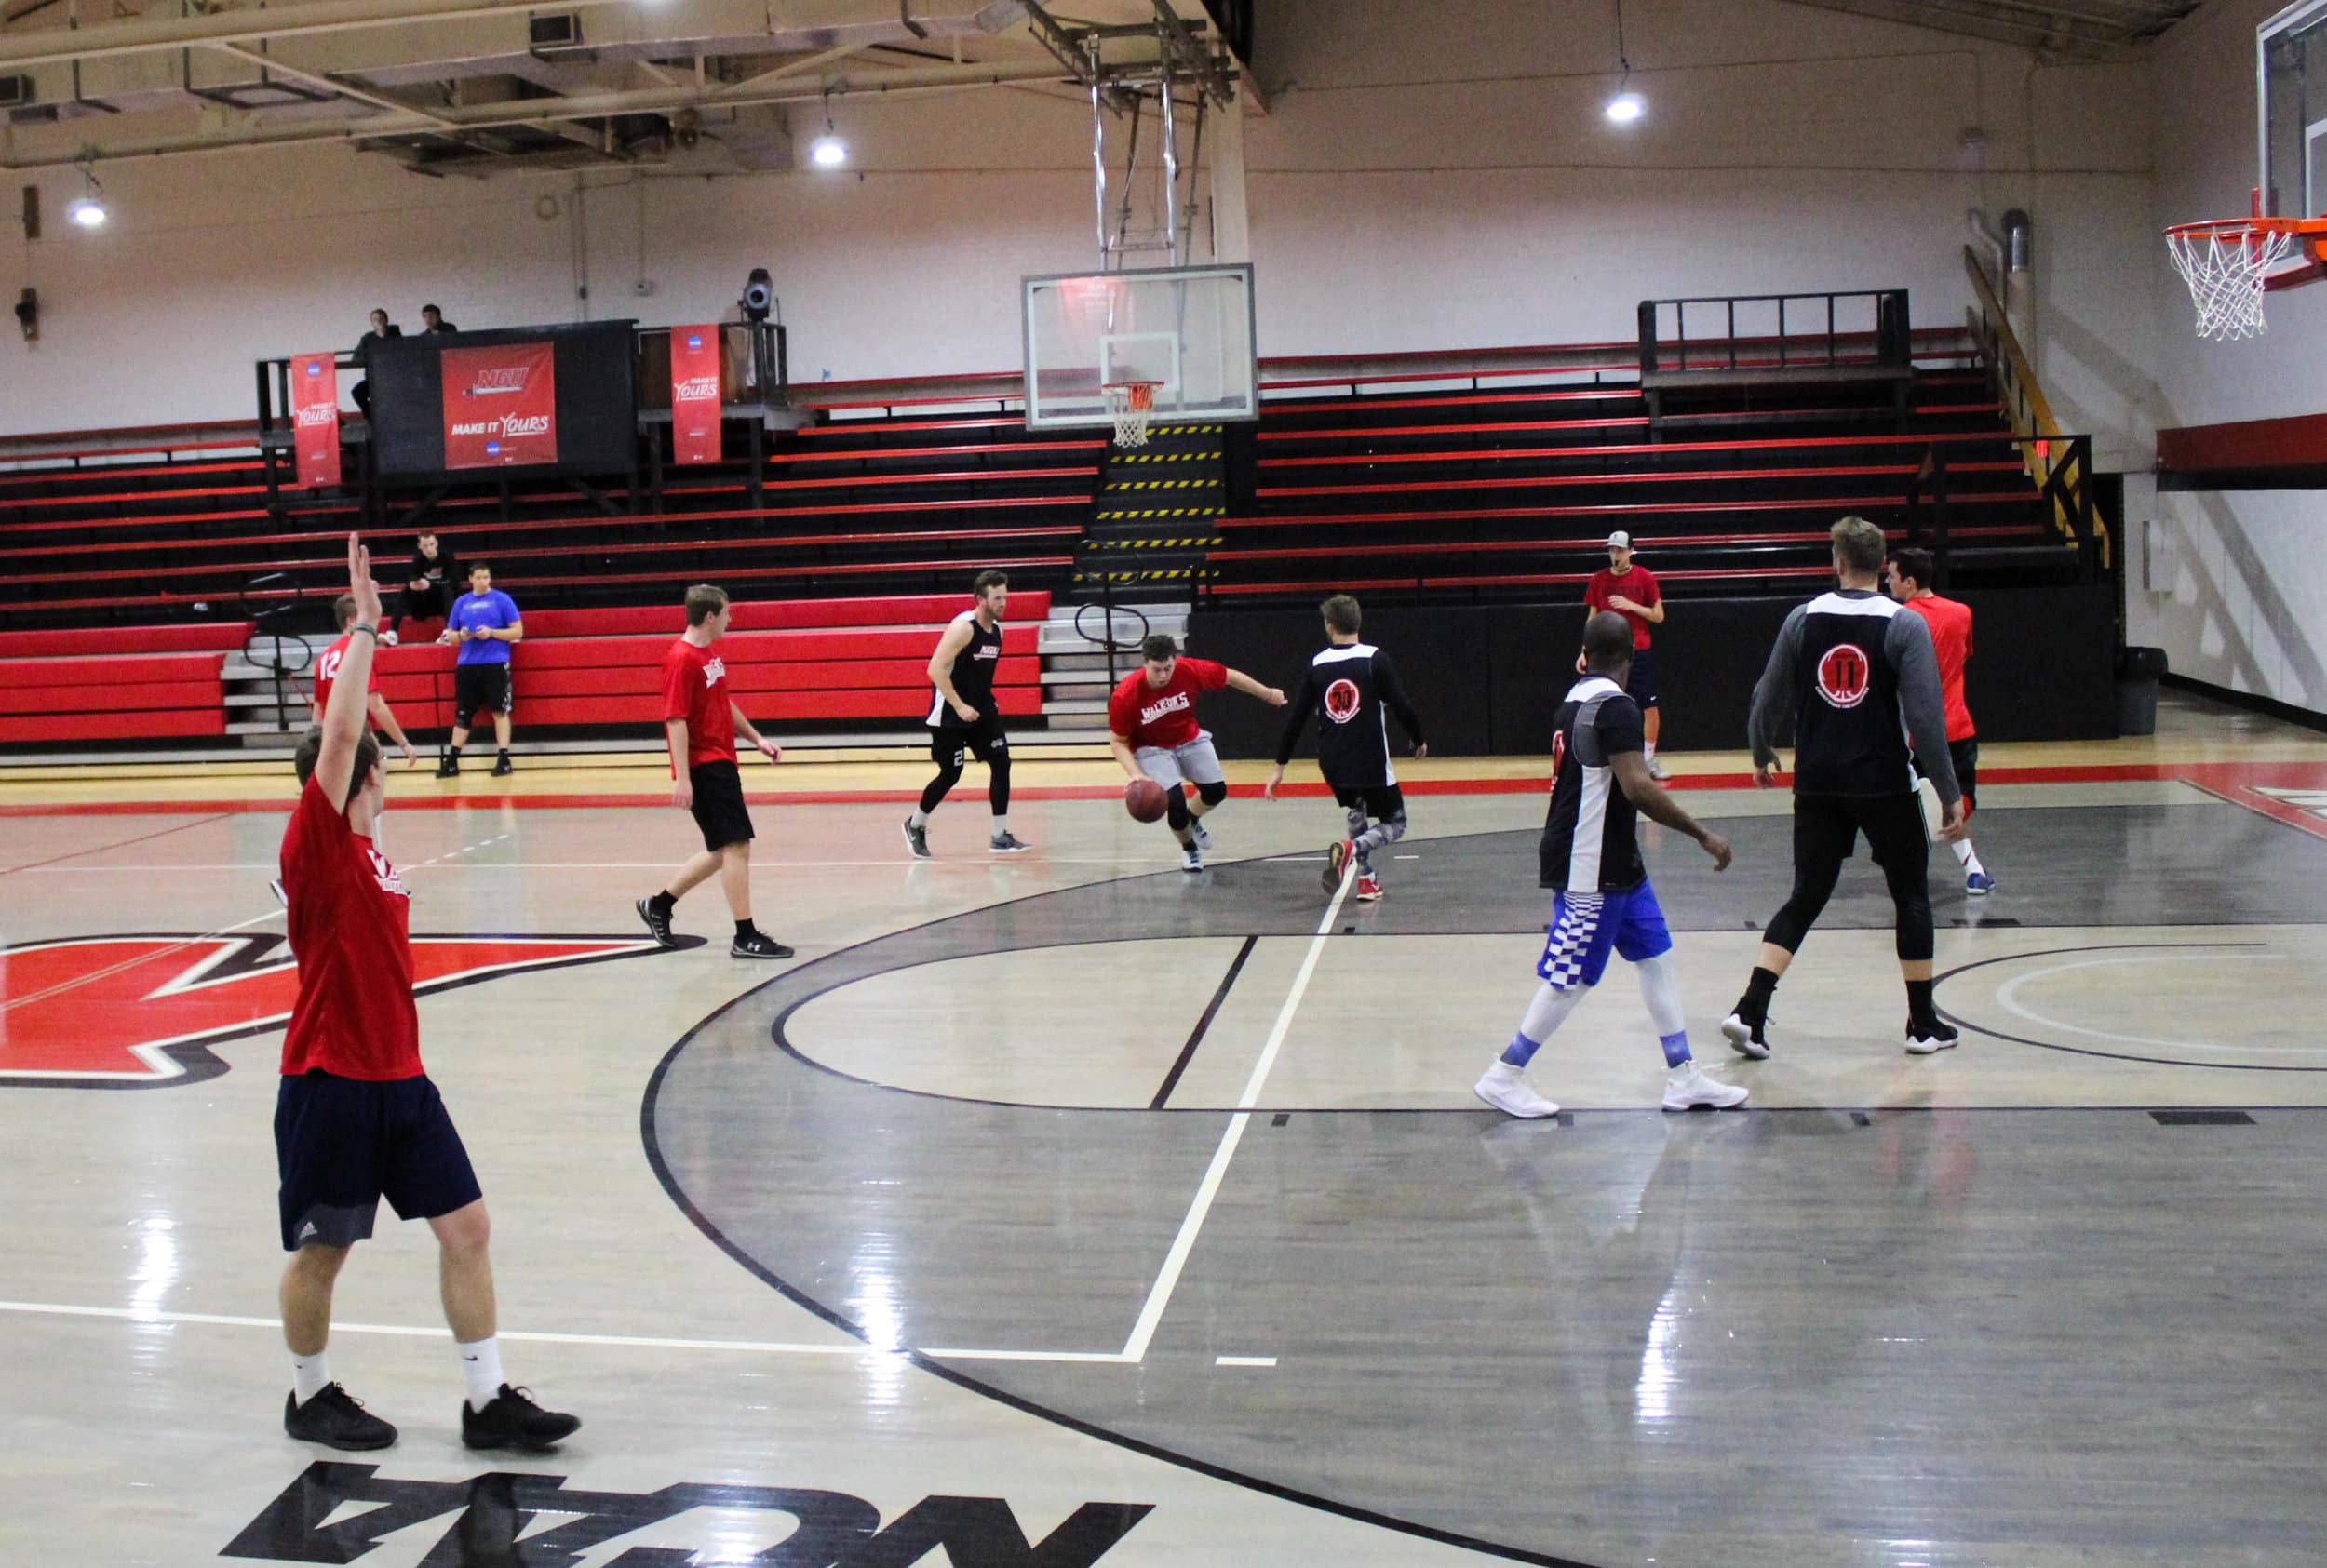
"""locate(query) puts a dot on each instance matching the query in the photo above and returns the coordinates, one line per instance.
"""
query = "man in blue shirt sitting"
(484, 621)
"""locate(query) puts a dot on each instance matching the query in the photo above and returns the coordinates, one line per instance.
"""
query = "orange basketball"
(1145, 799)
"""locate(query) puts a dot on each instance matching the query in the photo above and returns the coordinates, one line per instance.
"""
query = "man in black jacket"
(424, 598)
(1864, 678)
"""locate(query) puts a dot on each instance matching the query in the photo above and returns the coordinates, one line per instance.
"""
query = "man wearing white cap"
(1631, 591)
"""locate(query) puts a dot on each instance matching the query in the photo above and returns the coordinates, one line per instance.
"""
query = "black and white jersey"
(973, 675)
(1353, 689)
(1862, 676)
(1591, 838)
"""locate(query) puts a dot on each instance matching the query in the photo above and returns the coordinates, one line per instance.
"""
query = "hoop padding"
(1132, 404)
(2224, 264)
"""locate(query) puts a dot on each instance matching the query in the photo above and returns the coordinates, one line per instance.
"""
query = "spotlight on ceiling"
(87, 210)
(828, 151)
(1626, 107)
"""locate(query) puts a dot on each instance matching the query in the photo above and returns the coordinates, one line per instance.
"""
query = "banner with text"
(500, 406)
(314, 397)
(695, 392)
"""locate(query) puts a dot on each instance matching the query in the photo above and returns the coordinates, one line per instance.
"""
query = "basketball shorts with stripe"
(1586, 927)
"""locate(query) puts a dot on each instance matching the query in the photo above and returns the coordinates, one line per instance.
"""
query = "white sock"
(309, 1376)
(919, 818)
(1966, 856)
(1650, 747)
(480, 1364)
(1001, 825)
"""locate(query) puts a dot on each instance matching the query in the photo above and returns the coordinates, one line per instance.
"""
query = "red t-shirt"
(1165, 716)
(1950, 621)
(694, 688)
(1638, 584)
(328, 671)
(351, 932)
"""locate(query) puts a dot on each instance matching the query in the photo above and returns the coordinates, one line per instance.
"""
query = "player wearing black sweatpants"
(1865, 683)
(1350, 687)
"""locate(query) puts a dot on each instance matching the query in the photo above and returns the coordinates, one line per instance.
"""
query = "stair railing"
(2060, 464)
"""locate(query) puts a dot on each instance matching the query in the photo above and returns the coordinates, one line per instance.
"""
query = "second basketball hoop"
(1132, 404)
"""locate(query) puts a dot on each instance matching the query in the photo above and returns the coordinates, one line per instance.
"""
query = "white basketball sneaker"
(1686, 1088)
(1506, 1088)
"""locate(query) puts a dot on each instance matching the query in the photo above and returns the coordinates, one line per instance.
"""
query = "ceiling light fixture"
(88, 208)
(828, 151)
(1627, 105)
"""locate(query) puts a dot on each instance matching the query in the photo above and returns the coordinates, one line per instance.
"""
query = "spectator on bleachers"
(424, 583)
(484, 621)
(432, 320)
(381, 331)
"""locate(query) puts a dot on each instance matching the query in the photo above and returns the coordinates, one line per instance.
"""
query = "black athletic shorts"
(479, 686)
(1642, 686)
(950, 745)
(343, 1144)
(1380, 802)
(719, 806)
(1826, 828)
(1965, 756)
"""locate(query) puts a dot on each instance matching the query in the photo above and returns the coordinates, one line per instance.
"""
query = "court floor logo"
(339, 1512)
(139, 1012)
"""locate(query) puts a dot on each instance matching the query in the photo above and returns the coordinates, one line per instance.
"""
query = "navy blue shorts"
(1642, 687)
(343, 1144)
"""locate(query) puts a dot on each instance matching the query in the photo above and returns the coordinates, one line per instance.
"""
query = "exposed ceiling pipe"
(544, 112)
(57, 45)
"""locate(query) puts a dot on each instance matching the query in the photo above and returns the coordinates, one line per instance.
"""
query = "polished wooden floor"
(1067, 1210)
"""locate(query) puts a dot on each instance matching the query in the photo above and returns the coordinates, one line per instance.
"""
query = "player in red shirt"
(700, 722)
(1909, 579)
(357, 1119)
(1151, 729)
(328, 669)
(1631, 591)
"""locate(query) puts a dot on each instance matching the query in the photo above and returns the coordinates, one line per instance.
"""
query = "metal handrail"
(2052, 454)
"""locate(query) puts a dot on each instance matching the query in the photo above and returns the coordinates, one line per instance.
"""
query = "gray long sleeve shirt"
(1864, 680)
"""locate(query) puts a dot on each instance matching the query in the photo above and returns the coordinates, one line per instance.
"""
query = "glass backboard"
(1189, 329)
(2292, 61)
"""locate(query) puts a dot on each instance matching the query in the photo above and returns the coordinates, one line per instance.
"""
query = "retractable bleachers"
(860, 504)
(1476, 491)
(116, 684)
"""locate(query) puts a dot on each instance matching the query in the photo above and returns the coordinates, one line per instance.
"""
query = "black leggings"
(1826, 832)
(952, 749)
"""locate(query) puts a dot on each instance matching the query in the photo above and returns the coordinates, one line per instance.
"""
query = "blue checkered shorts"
(1585, 926)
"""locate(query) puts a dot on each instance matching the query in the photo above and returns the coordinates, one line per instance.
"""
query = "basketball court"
(1156, 1212)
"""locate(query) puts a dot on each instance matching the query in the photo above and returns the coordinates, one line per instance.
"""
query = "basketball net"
(2224, 265)
(1132, 404)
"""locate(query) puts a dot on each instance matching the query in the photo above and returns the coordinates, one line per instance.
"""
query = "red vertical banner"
(695, 392)
(314, 398)
(500, 406)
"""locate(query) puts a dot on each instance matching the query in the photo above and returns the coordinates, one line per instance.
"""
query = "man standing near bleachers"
(485, 623)
(1631, 591)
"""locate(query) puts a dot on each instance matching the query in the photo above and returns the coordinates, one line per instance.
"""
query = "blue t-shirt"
(492, 609)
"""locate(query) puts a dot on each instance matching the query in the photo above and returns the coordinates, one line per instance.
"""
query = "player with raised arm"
(964, 719)
(1152, 731)
(1590, 855)
(357, 1119)
(700, 723)
(1350, 686)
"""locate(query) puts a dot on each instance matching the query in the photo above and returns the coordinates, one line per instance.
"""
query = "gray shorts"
(1196, 762)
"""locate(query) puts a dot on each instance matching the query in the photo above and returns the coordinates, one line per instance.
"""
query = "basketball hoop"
(1132, 404)
(2229, 262)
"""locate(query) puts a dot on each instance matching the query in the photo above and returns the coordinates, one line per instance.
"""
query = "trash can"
(2137, 672)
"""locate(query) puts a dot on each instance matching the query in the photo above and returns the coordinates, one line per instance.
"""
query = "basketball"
(1145, 799)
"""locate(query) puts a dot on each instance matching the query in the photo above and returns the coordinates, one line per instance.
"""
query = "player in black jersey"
(1351, 685)
(1863, 677)
(964, 719)
(1591, 855)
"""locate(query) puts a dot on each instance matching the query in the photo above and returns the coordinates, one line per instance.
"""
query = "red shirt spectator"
(351, 929)
(328, 671)
(694, 688)
(1163, 716)
(1950, 621)
(1636, 584)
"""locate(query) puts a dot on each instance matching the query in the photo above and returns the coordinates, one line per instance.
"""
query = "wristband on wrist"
(373, 632)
